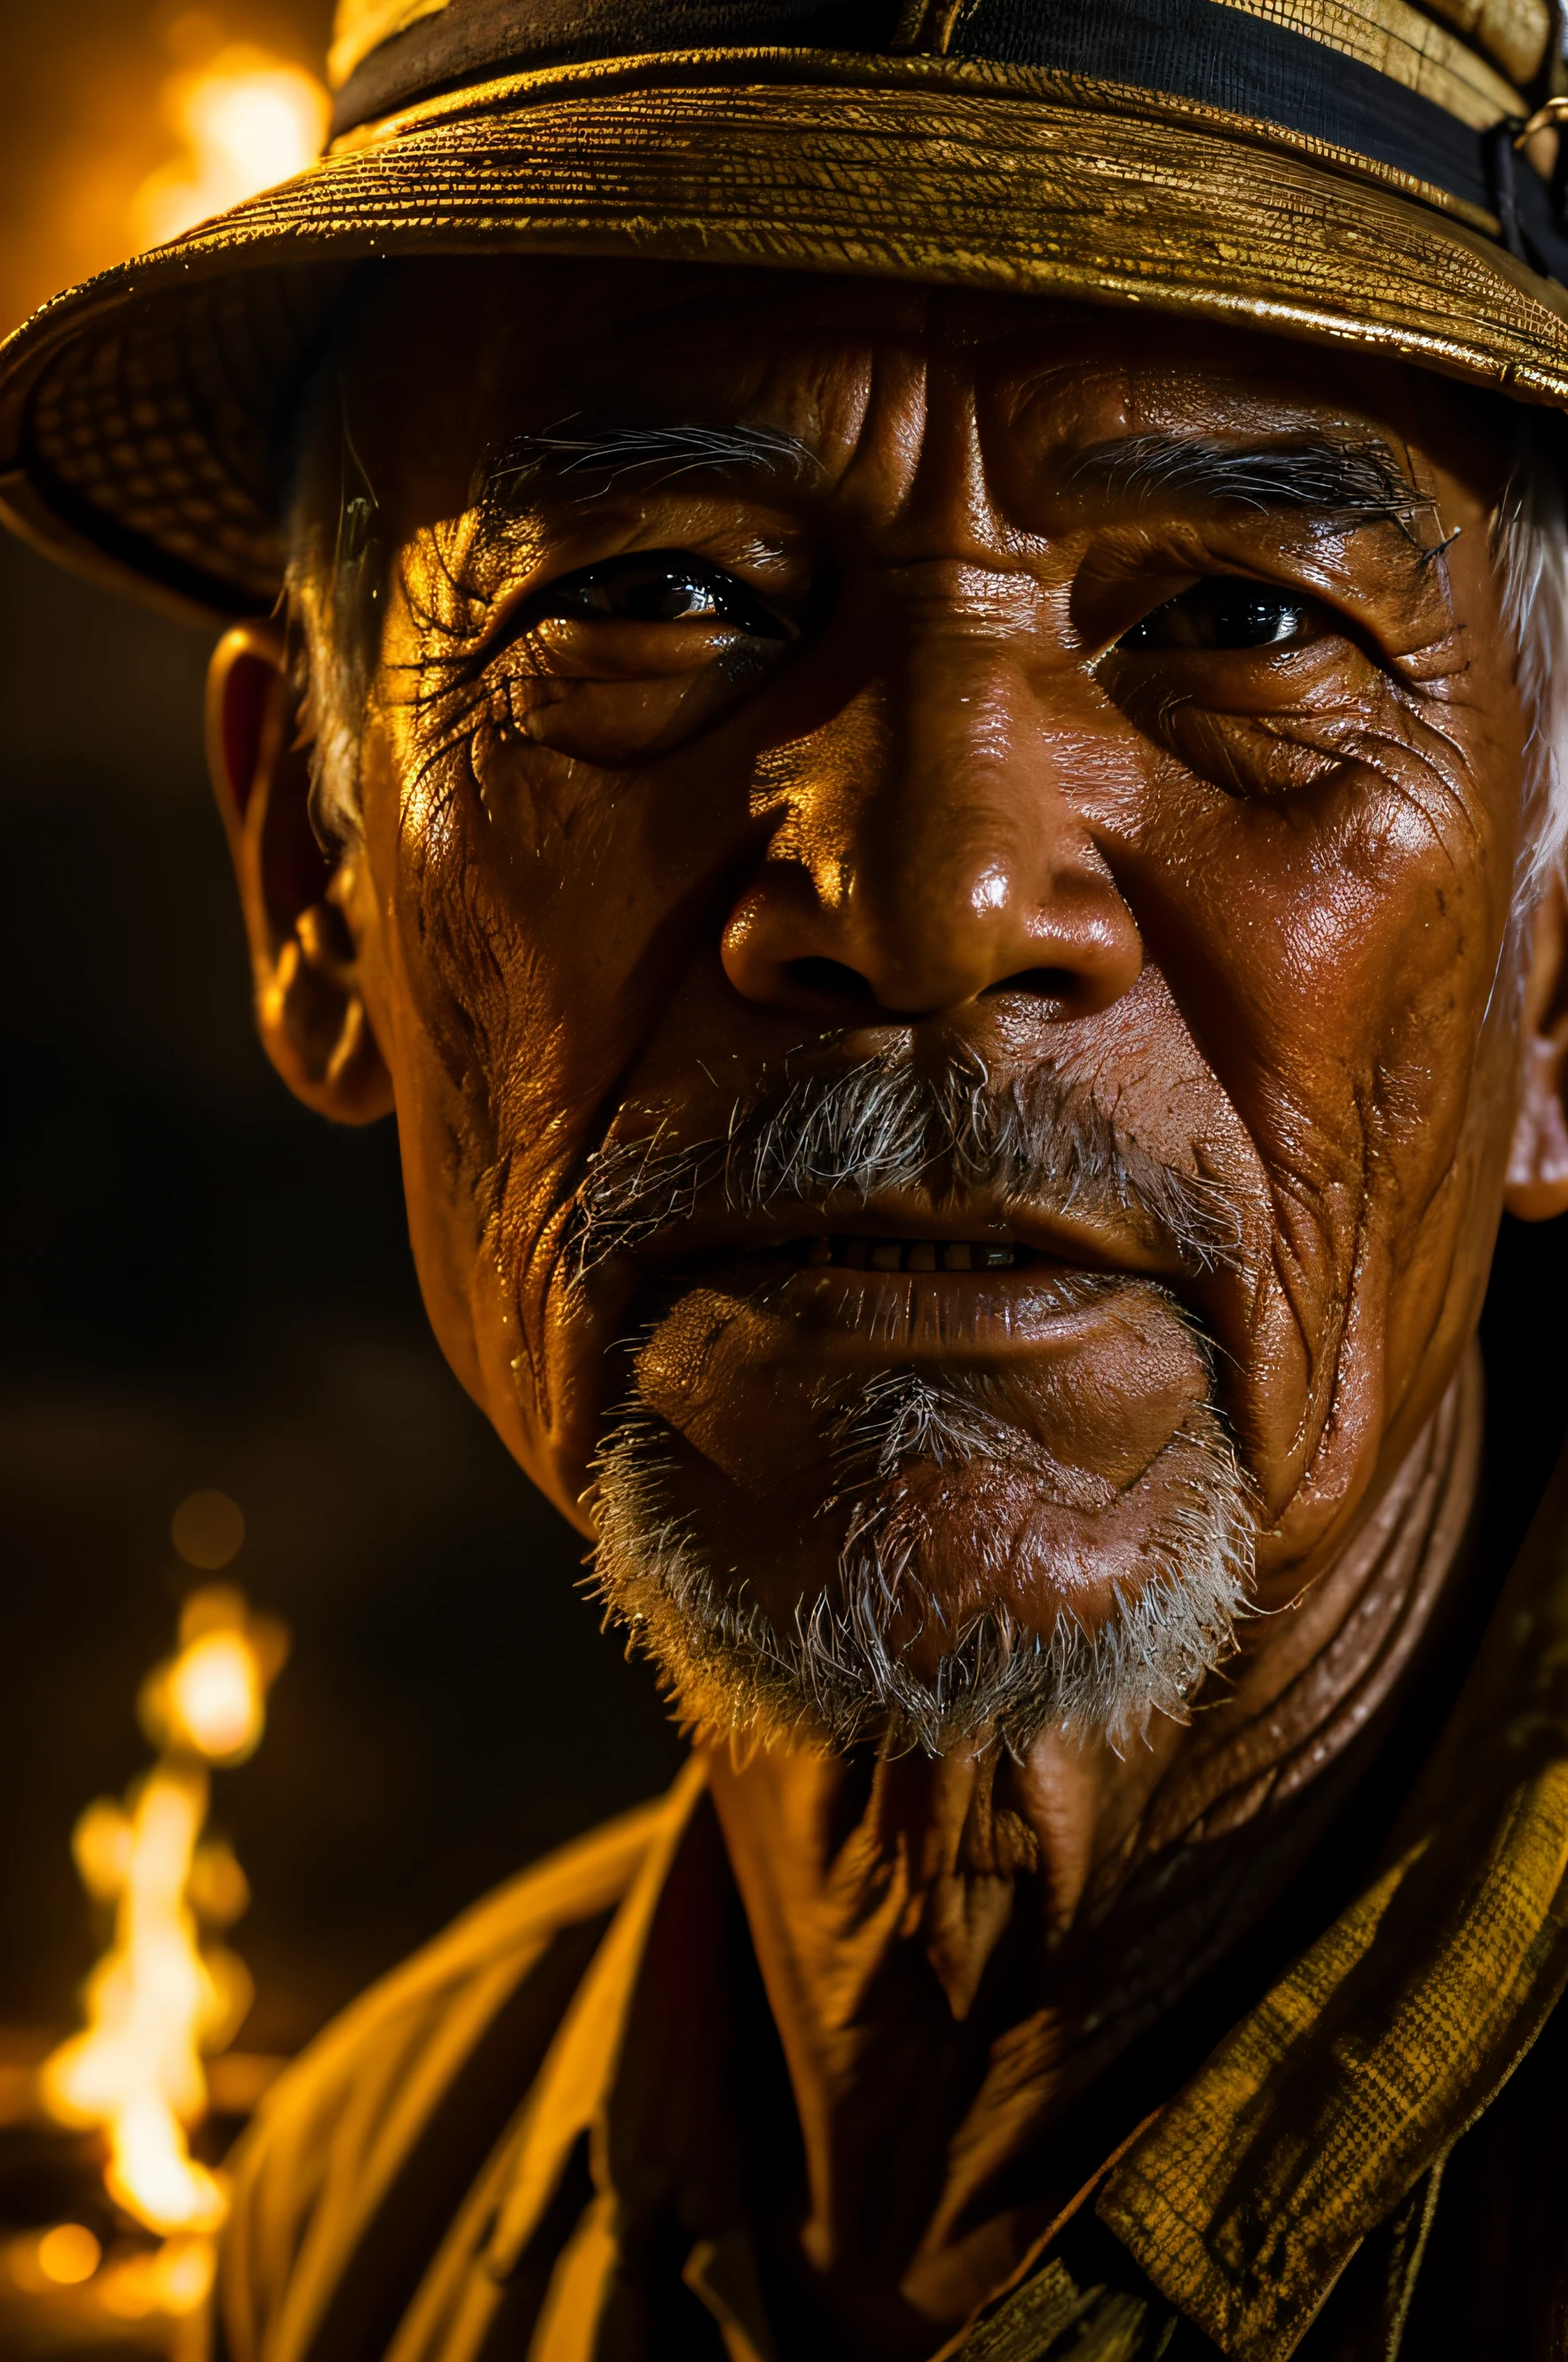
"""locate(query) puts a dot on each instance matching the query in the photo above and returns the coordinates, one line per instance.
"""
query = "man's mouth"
(849, 1253)
(858, 1296)
(896, 1233)
(880, 1152)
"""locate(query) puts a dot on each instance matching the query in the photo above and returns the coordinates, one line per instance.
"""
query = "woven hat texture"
(1368, 172)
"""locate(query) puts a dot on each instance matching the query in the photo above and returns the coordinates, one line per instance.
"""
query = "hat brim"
(141, 414)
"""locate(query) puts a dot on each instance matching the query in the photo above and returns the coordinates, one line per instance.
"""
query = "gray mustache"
(1027, 1138)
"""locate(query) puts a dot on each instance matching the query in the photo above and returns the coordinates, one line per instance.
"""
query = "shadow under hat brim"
(143, 415)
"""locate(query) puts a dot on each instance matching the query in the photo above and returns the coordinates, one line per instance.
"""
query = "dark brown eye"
(1225, 615)
(659, 586)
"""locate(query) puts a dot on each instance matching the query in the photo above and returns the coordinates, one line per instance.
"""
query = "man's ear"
(1538, 1159)
(309, 1007)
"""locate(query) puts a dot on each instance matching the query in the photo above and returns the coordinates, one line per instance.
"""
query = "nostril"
(830, 979)
(1040, 984)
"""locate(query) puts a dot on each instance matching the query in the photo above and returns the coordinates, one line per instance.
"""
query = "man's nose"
(929, 852)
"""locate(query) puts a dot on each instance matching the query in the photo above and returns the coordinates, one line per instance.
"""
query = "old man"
(893, 679)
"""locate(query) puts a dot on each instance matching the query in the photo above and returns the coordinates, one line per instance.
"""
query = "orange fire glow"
(173, 2278)
(166, 1993)
(244, 119)
(153, 118)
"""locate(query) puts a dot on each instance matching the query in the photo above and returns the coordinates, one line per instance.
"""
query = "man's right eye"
(1228, 615)
(628, 658)
(659, 586)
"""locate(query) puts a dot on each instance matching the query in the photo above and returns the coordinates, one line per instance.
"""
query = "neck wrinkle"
(1353, 1635)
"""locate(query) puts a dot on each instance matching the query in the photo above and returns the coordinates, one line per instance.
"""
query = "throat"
(959, 1952)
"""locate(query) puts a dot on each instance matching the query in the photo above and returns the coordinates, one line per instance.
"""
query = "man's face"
(935, 892)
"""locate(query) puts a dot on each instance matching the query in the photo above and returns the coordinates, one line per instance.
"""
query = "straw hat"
(1365, 171)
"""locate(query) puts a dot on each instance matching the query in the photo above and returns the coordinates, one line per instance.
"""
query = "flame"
(160, 1997)
(137, 2069)
(245, 120)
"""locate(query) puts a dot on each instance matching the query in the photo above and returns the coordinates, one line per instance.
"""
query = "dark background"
(203, 1286)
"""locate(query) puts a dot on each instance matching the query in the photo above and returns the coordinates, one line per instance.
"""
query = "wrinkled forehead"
(442, 363)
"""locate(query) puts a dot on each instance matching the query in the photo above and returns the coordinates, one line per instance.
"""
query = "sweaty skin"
(948, 738)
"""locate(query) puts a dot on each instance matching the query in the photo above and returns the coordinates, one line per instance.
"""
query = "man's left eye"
(1226, 615)
(662, 587)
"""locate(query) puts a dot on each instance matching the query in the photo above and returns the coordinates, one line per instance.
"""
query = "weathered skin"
(615, 872)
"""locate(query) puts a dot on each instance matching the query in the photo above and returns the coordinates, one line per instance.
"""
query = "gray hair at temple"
(1529, 546)
(336, 573)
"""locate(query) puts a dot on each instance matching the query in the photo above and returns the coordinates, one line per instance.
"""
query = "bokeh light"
(175, 2278)
(101, 1843)
(244, 120)
(124, 128)
(69, 2255)
(208, 1529)
(210, 1699)
(214, 1697)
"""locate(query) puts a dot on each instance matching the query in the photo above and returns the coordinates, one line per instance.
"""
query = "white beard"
(833, 1677)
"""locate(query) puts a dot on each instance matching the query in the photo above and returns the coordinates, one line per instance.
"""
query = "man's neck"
(955, 1952)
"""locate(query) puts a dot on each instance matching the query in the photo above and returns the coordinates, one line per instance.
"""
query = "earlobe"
(1537, 1186)
(310, 1008)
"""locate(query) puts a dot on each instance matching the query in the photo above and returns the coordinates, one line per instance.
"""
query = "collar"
(1244, 2199)
(1356, 2073)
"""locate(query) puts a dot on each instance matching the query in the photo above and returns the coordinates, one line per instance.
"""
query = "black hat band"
(1218, 53)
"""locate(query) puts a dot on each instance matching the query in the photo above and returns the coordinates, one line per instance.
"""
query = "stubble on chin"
(983, 1592)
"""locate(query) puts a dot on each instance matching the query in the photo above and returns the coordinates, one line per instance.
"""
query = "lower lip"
(997, 1312)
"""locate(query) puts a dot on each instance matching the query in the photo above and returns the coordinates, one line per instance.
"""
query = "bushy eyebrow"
(1338, 482)
(597, 459)
(1343, 483)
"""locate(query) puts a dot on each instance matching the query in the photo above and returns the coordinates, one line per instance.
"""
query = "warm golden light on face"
(245, 120)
